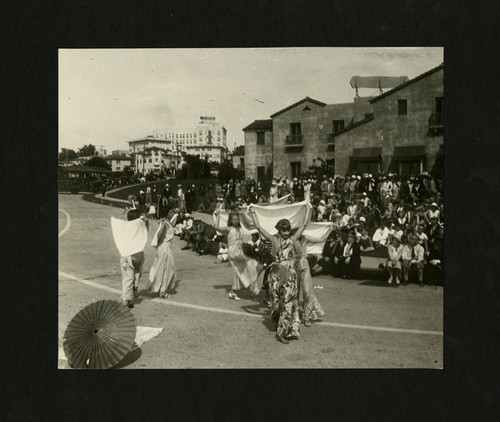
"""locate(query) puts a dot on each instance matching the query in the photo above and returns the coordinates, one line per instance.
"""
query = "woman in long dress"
(162, 273)
(246, 269)
(283, 277)
(312, 310)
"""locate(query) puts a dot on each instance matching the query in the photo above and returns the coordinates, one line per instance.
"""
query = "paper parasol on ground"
(100, 335)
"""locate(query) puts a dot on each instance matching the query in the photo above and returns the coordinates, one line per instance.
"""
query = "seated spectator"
(187, 227)
(350, 260)
(197, 236)
(396, 230)
(381, 235)
(413, 260)
(222, 255)
(180, 223)
(327, 260)
(393, 265)
(420, 216)
(401, 218)
(433, 212)
(422, 238)
(337, 220)
(365, 242)
(434, 230)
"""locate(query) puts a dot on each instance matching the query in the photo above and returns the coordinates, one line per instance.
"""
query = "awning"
(366, 154)
(409, 152)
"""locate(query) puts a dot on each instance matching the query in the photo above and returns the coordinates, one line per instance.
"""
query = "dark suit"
(351, 269)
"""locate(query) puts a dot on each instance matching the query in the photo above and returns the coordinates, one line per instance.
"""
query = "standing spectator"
(237, 189)
(154, 195)
(434, 268)
(180, 198)
(244, 188)
(273, 192)
(149, 199)
(142, 201)
(324, 188)
(167, 192)
(307, 190)
(103, 189)
(253, 196)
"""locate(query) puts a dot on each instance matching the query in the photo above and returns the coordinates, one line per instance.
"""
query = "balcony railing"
(436, 120)
(294, 140)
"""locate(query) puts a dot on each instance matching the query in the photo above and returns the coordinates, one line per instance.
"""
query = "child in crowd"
(222, 255)
(365, 242)
(395, 250)
(152, 212)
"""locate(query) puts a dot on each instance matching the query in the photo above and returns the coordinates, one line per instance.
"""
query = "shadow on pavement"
(129, 359)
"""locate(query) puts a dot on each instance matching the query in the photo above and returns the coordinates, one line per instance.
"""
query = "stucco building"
(207, 138)
(238, 157)
(258, 149)
(400, 130)
(118, 161)
(405, 134)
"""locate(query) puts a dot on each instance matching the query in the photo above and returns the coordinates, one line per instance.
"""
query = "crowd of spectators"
(399, 218)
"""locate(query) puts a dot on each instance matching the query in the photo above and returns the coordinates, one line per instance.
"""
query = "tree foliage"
(67, 154)
(87, 150)
(228, 172)
(98, 162)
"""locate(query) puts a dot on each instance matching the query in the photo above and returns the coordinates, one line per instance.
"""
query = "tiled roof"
(354, 125)
(117, 157)
(260, 124)
(411, 81)
(298, 103)
(87, 169)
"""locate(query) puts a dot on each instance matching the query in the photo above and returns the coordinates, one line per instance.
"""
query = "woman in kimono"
(162, 273)
(283, 277)
(246, 269)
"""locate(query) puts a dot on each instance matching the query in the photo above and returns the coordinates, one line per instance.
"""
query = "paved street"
(367, 324)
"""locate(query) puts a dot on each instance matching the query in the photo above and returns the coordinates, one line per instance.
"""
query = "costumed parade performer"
(283, 277)
(130, 238)
(162, 273)
(246, 269)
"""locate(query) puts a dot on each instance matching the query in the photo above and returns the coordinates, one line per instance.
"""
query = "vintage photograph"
(244, 208)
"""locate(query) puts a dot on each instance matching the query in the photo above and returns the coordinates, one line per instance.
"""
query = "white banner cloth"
(130, 236)
(268, 215)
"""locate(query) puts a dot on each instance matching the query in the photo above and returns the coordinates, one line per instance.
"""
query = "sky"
(108, 97)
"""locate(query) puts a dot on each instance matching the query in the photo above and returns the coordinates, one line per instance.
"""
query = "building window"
(338, 125)
(156, 159)
(150, 160)
(295, 129)
(402, 107)
(260, 138)
(296, 168)
(439, 105)
(242, 162)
